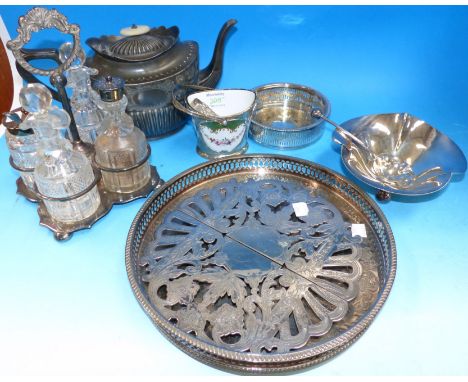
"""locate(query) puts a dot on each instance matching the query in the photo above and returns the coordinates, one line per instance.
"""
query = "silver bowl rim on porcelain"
(189, 109)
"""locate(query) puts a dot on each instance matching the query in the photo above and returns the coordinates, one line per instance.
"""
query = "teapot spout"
(211, 75)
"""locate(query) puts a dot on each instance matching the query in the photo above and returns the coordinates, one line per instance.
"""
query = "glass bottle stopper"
(111, 89)
(35, 98)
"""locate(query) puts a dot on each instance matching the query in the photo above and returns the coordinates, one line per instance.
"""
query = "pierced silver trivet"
(236, 277)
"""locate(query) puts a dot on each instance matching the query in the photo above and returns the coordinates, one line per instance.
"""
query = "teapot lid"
(138, 43)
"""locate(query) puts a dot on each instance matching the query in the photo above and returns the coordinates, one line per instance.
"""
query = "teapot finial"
(134, 30)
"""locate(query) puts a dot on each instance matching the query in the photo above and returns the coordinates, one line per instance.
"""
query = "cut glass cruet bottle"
(121, 149)
(64, 177)
(22, 145)
(86, 113)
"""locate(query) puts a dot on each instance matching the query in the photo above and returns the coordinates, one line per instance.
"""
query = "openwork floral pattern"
(234, 265)
(36, 20)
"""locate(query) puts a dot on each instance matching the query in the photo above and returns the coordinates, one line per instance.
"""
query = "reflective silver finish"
(344, 133)
(203, 108)
(282, 117)
(25, 191)
(64, 231)
(410, 157)
(153, 184)
(388, 168)
(110, 89)
(199, 109)
(240, 240)
(36, 20)
(225, 268)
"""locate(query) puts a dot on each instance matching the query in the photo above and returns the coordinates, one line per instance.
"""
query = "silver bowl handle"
(191, 111)
(348, 137)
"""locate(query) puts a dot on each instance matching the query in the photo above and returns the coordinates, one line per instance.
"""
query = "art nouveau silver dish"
(252, 263)
(430, 158)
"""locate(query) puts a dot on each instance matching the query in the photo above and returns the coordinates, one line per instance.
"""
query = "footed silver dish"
(428, 155)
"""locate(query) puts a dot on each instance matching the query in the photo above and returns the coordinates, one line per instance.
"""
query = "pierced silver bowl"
(282, 117)
(431, 156)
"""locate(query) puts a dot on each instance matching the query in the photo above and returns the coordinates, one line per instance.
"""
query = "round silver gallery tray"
(252, 263)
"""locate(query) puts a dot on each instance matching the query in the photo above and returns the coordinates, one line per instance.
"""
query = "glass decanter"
(22, 145)
(60, 172)
(121, 148)
(86, 113)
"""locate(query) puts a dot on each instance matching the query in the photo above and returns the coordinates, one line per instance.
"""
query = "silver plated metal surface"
(387, 167)
(25, 191)
(153, 184)
(36, 20)
(153, 65)
(203, 108)
(218, 136)
(429, 156)
(229, 271)
(138, 47)
(18, 168)
(282, 117)
(64, 231)
(123, 169)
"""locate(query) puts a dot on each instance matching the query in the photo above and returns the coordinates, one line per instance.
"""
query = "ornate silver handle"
(191, 111)
(342, 132)
(36, 20)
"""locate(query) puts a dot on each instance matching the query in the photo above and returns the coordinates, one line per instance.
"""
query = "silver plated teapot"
(153, 61)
